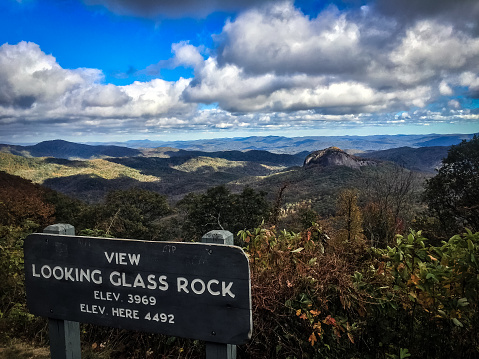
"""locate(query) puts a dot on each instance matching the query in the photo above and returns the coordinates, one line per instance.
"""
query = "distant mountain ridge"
(294, 145)
(68, 150)
(234, 148)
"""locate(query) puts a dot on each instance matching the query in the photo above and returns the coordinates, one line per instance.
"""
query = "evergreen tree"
(134, 213)
(218, 208)
(453, 194)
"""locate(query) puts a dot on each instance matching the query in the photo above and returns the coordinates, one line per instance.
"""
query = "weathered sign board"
(192, 290)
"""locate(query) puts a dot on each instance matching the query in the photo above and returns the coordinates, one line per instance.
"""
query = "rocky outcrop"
(334, 156)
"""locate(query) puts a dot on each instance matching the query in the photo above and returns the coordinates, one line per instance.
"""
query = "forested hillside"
(424, 159)
(92, 179)
(370, 261)
(65, 149)
(177, 172)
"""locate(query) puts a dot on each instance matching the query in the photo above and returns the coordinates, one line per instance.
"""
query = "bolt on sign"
(191, 290)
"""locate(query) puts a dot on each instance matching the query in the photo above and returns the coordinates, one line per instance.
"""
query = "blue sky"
(114, 70)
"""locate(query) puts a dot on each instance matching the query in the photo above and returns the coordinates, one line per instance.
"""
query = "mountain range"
(422, 158)
(88, 172)
(292, 145)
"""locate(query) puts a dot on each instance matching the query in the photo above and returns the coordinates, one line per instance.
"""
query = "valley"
(89, 172)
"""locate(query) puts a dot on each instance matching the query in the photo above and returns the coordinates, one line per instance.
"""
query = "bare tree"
(390, 198)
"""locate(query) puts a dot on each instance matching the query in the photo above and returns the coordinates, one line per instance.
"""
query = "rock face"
(334, 156)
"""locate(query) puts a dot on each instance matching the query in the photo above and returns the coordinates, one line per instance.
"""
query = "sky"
(117, 70)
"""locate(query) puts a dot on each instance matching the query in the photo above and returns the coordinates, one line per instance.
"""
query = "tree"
(67, 209)
(390, 198)
(23, 210)
(134, 213)
(453, 193)
(218, 208)
(22, 201)
(378, 224)
(349, 215)
(252, 208)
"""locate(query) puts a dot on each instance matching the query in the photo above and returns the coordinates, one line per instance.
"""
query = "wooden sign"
(192, 290)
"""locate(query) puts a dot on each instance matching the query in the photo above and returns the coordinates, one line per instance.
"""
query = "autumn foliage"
(316, 299)
(365, 282)
(21, 201)
(23, 209)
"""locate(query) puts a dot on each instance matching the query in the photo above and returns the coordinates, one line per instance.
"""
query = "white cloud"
(271, 61)
(184, 55)
(34, 87)
(429, 49)
(470, 80)
(156, 98)
(105, 96)
(444, 89)
(275, 58)
(27, 76)
(279, 38)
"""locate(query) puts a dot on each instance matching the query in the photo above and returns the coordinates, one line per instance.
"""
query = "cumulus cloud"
(454, 104)
(104, 96)
(27, 76)
(471, 81)
(238, 91)
(281, 39)
(184, 55)
(34, 88)
(275, 58)
(444, 89)
(430, 48)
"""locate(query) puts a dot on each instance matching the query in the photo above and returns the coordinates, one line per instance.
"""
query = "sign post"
(191, 290)
(64, 334)
(218, 350)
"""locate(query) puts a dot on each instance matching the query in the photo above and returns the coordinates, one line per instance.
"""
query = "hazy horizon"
(232, 138)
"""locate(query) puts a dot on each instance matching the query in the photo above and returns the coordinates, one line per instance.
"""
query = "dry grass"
(21, 350)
